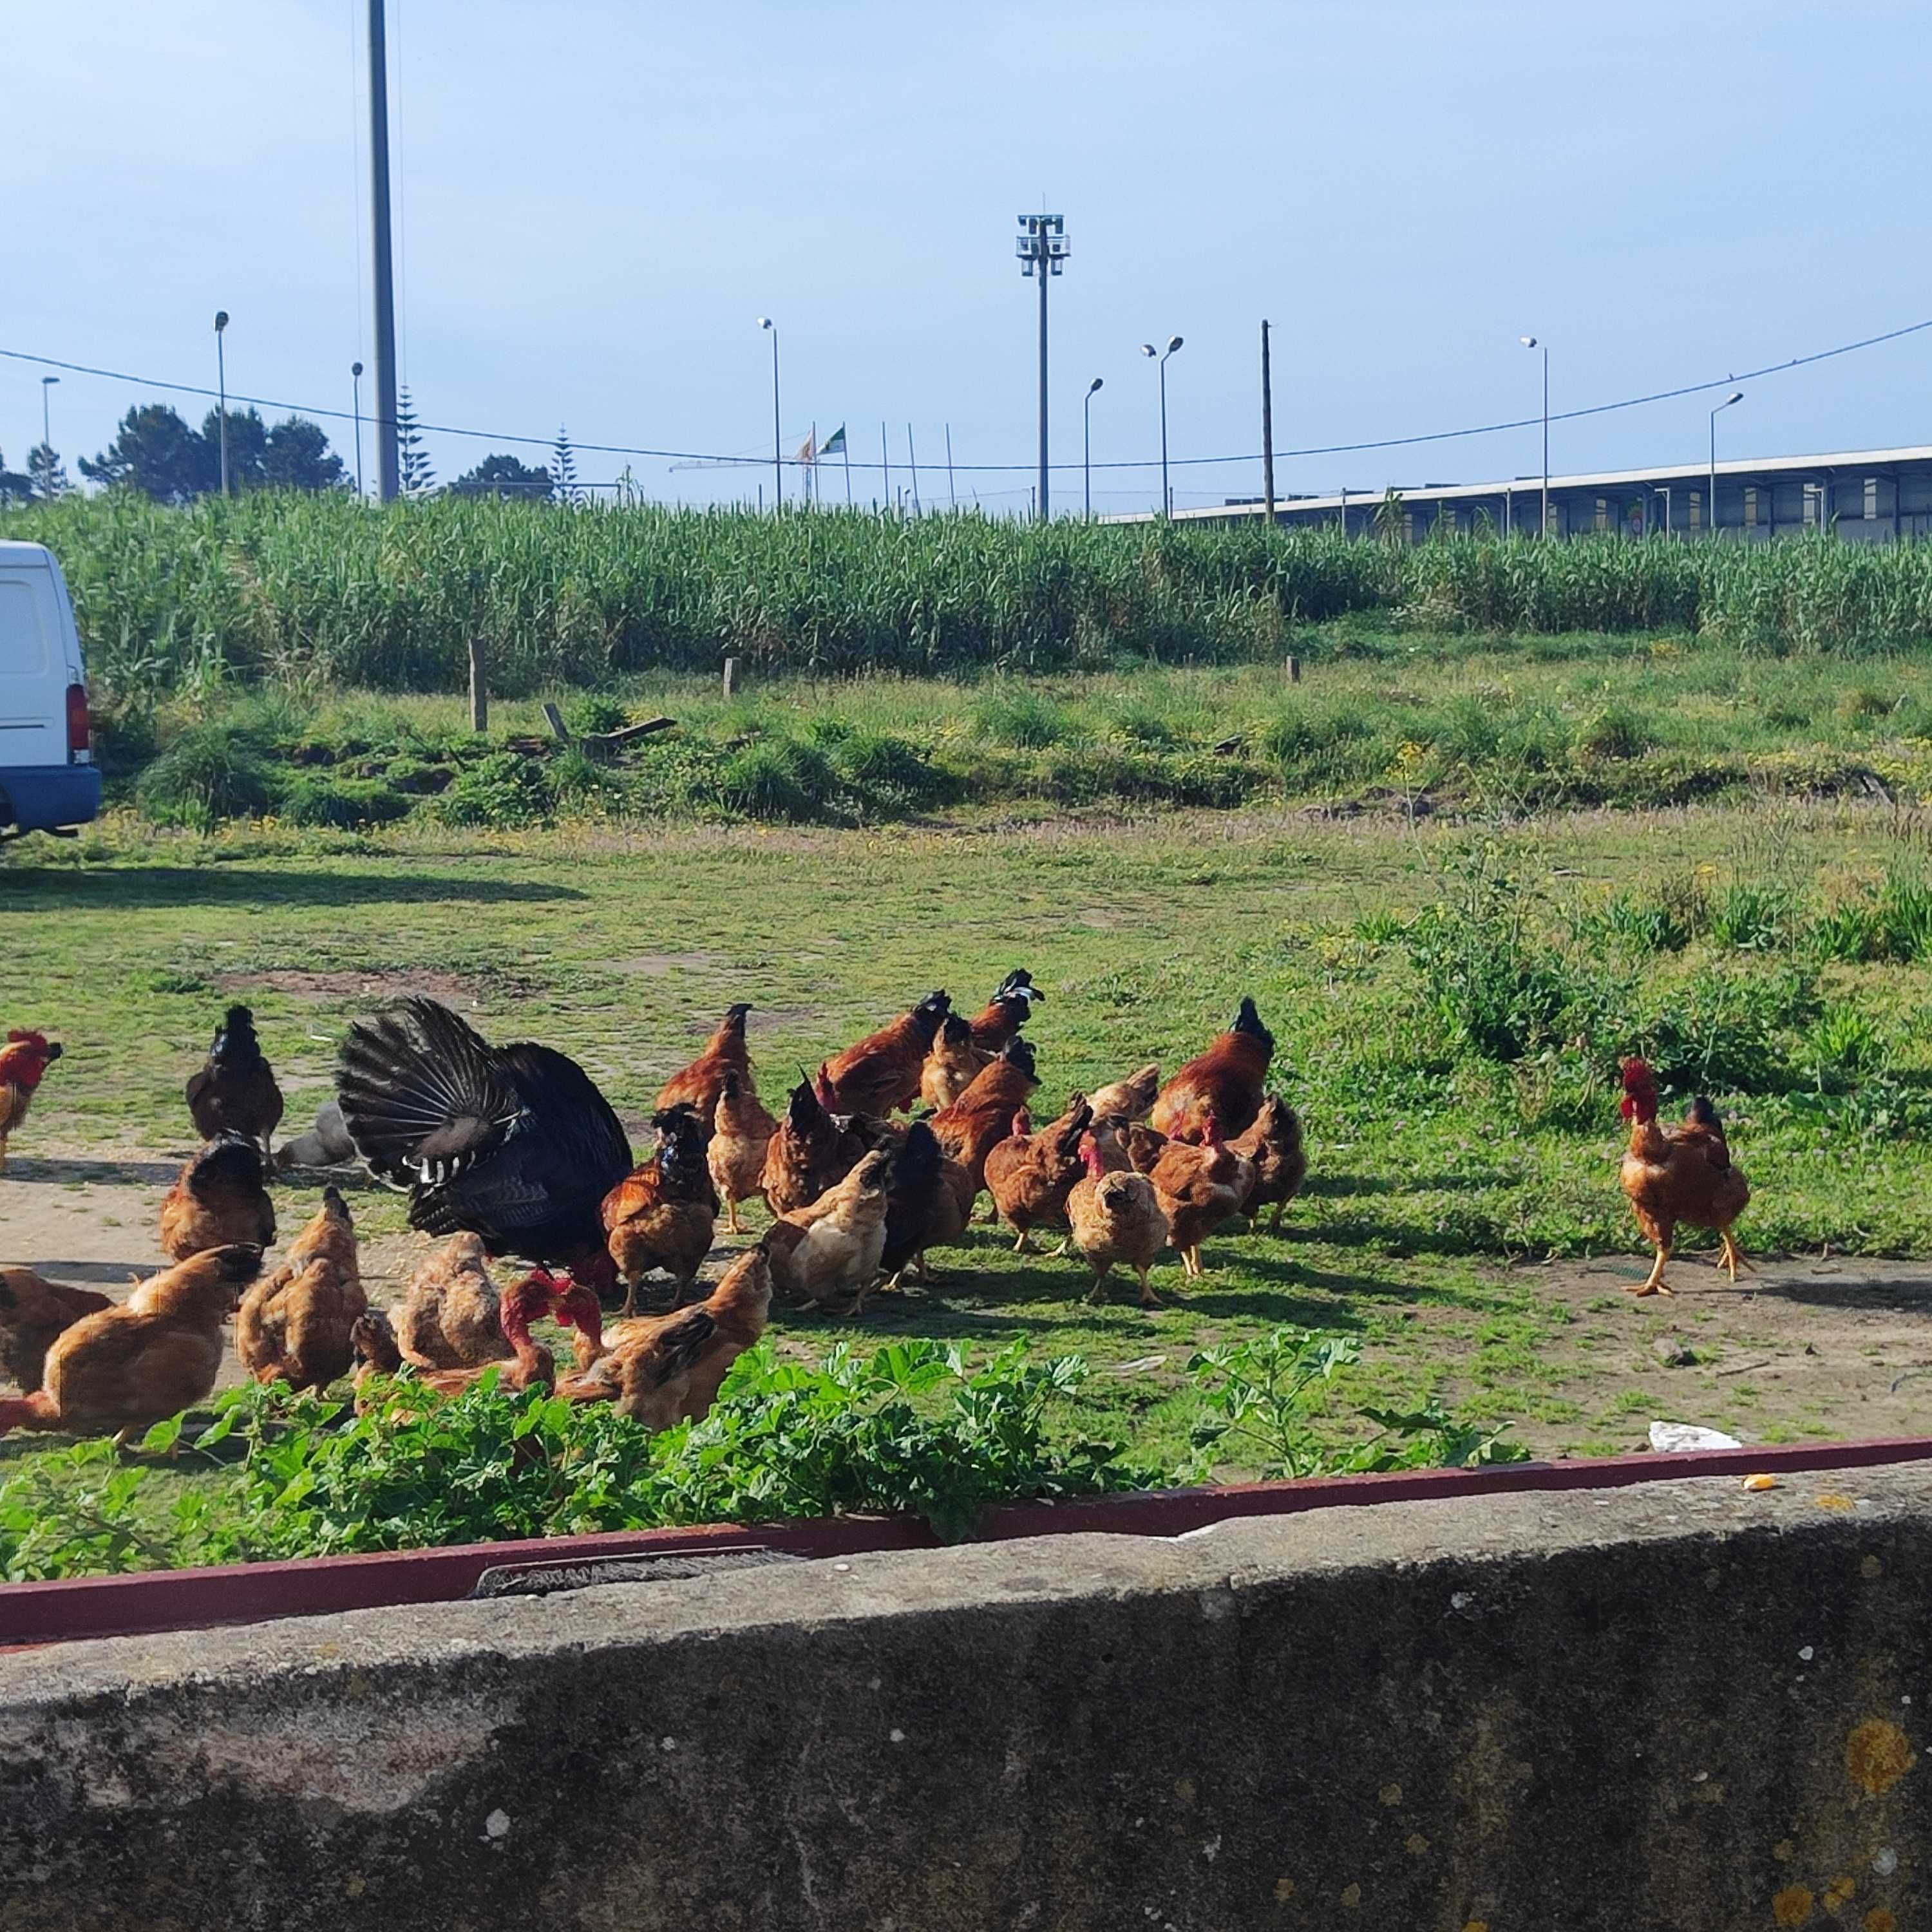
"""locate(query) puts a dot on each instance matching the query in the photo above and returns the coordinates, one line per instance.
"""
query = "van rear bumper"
(39, 798)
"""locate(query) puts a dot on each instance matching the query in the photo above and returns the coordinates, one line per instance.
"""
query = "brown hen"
(294, 1327)
(219, 1197)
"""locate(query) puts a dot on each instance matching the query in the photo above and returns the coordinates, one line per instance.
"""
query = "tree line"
(157, 452)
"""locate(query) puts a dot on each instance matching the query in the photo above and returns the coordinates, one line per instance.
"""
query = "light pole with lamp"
(1736, 396)
(1531, 342)
(1086, 444)
(356, 378)
(777, 437)
(46, 431)
(1043, 248)
(1148, 349)
(221, 391)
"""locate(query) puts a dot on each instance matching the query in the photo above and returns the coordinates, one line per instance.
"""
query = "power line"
(1179, 462)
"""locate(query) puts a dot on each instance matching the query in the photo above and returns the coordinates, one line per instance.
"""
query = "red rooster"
(23, 1060)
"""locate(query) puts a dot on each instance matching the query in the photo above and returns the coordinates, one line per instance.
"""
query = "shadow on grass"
(116, 887)
(1342, 1186)
(37, 1170)
(104, 1274)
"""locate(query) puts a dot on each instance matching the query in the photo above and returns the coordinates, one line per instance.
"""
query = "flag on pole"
(807, 451)
(834, 444)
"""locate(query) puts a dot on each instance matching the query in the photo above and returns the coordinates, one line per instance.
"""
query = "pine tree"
(411, 459)
(48, 473)
(563, 468)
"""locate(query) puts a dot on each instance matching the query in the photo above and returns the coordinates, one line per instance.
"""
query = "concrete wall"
(1683, 1706)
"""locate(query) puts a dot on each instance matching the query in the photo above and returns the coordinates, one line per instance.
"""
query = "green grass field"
(1448, 1003)
(1423, 721)
(1461, 875)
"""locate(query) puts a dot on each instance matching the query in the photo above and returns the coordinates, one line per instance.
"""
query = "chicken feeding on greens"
(513, 1144)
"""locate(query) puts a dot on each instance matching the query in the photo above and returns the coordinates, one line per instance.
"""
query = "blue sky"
(598, 200)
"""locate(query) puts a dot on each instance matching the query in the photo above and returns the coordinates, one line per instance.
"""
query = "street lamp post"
(1148, 349)
(1736, 396)
(355, 378)
(221, 391)
(1043, 248)
(778, 436)
(1531, 342)
(1087, 444)
(46, 431)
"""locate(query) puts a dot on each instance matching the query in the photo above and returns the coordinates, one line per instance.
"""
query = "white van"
(48, 779)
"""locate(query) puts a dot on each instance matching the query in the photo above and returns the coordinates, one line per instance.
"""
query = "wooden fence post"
(479, 689)
(1293, 669)
(730, 676)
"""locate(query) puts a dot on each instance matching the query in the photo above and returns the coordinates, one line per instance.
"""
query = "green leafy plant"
(914, 1427)
(211, 771)
(1260, 1394)
(1496, 985)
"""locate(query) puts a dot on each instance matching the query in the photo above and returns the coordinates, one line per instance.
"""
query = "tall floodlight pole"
(1531, 342)
(388, 465)
(221, 391)
(1042, 247)
(1736, 396)
(46, 418)
(1267, 430)
(1087, 447)
(355, 381)
(778, 436)
(1148, 349)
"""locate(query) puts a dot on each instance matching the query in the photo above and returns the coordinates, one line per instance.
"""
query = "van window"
(23, 638)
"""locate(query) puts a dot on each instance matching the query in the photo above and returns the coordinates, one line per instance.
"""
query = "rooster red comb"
(1637, 1076)
(25, 1036)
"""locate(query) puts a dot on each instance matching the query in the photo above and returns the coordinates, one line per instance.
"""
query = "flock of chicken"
(514, 1151)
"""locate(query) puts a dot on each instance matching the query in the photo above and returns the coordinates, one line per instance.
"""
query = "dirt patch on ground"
(453, 989)
(93, 1219)
(1837, 1347)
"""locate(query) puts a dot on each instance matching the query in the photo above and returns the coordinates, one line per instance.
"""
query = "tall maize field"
(303, 592)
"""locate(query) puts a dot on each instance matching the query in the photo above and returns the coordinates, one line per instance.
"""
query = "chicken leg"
(1653, 1284)
(1731, 1257)
(1148, 1298)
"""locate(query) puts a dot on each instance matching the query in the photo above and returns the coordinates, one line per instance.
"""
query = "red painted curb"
(145, 1604)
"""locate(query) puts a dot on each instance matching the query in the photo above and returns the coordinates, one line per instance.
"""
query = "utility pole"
(952, 494)
(1042, 248)
(777, 439)
(221, 390)
(387, 464)
(1268, 430)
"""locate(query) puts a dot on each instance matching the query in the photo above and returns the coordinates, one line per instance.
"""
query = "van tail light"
(80, 735)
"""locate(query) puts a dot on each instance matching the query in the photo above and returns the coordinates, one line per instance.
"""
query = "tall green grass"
(311, 591)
